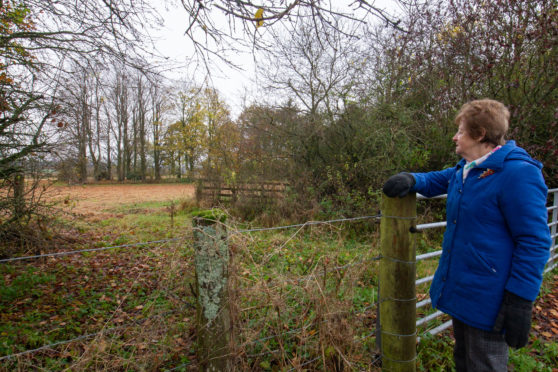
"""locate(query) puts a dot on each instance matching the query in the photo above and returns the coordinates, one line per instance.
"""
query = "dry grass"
(95, 200)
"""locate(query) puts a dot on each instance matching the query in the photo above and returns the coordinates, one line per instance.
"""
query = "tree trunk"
(156, 138)
(82, 137)
(109, 159)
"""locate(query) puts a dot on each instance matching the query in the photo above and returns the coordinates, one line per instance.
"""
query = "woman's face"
(465, 146)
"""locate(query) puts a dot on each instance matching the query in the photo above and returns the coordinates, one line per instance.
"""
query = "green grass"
(539, 356)
(25, 284)
(143, 207)
(435, 353)
(140, 222)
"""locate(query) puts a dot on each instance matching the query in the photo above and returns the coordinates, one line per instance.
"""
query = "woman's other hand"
(515, 319)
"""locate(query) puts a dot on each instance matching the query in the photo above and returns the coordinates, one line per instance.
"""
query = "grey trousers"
(477, 350)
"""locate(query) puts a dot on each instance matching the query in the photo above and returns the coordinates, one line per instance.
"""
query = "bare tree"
(108, 136)
(243, 19)
(121, 105)
(41, 41)
(319, 69)
(159, 105)
(141, 124)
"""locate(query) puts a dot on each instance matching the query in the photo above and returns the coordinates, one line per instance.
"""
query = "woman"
(496, 242)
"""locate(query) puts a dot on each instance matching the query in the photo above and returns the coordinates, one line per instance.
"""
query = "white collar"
(475, 163)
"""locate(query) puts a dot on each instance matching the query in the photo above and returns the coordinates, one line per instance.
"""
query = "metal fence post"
(397, 284)
(553, 228)
(213, 315)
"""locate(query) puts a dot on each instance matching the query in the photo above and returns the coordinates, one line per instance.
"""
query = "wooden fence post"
(19, 192)
(213, 315)
(397, 293)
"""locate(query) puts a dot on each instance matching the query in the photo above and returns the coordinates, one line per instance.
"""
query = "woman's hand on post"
(399, 185)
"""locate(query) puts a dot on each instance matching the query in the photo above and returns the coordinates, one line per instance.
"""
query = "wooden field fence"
(218, 191)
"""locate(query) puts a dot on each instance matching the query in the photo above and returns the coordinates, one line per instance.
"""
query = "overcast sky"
(238, 87)
(233, 84)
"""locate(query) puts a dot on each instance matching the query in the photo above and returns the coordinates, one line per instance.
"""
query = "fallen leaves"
(545, 314)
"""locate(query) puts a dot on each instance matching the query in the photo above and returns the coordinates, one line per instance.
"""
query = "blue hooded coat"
(497, 237)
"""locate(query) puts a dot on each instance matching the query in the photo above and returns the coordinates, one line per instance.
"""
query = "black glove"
(399, 185)
(515, 319)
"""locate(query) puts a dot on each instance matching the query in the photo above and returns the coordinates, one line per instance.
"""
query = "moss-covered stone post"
(212, 274)
(397, 284)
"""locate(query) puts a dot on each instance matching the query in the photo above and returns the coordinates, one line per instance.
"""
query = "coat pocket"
(477, 263)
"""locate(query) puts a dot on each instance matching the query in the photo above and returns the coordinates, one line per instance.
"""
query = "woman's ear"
(482, 137)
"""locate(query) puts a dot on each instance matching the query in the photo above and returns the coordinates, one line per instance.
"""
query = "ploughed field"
(94, 199)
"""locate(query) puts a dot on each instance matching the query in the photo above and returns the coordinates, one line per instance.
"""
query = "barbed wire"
(353, 313)
(178, 367)
(183, 303)
(370, 334)
(56, 254)
(82, 337)
(278, 335)
(304, 364)
(336, 268)
(364, 310)
(315, 275)
(309, 223)
(131, 245)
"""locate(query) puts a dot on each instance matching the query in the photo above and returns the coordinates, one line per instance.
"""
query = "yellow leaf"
(259, 16)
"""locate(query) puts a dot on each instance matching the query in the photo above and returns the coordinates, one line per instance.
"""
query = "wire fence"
(99, 249)
(279, 290)
(155, 243)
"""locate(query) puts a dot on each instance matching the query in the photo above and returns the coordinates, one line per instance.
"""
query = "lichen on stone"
(211, 260)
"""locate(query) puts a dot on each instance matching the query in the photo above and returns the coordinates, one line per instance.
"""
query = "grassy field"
(303, 298)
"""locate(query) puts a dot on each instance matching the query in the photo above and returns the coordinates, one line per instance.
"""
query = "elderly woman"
(496, 242)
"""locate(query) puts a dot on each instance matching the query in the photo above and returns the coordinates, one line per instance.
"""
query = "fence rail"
(216, 191)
